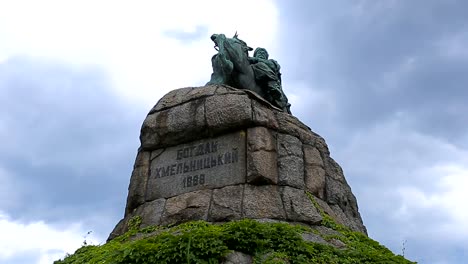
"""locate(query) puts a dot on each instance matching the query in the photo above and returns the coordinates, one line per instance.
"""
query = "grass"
(202, 242)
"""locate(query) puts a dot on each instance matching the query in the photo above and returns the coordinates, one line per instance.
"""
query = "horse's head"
(218, 38)
(231, 65)
(232, 59)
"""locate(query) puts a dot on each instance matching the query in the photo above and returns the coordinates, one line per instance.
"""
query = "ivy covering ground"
(202, 242)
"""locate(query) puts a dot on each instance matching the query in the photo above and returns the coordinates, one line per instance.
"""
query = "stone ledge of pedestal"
(228, 203)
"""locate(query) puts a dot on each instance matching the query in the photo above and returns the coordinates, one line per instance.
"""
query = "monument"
(231, 154)
(231, 150)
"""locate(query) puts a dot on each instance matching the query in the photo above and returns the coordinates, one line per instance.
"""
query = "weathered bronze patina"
(233, 66)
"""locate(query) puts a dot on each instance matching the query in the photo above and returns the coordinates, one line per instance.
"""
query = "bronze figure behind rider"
(268, 76)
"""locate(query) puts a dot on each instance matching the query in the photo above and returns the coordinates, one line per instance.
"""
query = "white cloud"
(47, 242)
(391, 145)
(128, 38)
(410, 186)
(321, 101)
(448, 197)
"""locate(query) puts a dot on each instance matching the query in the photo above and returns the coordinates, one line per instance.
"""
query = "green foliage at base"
(202, 242)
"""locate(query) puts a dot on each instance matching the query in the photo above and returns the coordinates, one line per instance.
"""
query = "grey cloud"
(68, 143)
(352, 47)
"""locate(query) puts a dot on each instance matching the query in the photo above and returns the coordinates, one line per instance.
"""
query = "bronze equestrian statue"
(233, 66)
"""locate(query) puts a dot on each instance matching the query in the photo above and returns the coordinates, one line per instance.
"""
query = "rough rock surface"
(226, 204)
(217, 153)
(298, 206)
(261, 156)
(263, 202)
(238, 258)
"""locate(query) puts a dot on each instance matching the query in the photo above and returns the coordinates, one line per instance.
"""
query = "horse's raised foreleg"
(225, 64)
(222, 70)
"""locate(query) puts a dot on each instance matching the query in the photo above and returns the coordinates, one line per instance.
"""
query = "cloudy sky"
(384, 82)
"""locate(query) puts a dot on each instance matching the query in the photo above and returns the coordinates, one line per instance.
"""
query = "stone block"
(222, 89)
(327, 209)
(199, 92)
(142, 159)
(291, 171)
(202, 164)
(289, 146)
(228, 111)
(236, 257)
(336, 191)
(299, 207)
(184, 121)
(179, 96)
(345, 220)
(344, 204)
(263, 115)
(326, 231)
(323, 205)
(312, 156)
(156, 153)
(286, 119)
(260, 138)
(315, 180)
(353, 222)
(138, 182)
(149, 137)
(271, 257)
(314, 238)
(119, 229)
(263, 202)
(226, 204)
(187, 207)
(262, 167)
(334, 170)
(337, 243)
(172, 98)
(289, 124)
(151, 212)
(226, 89)
(178, 124)
(321, 145)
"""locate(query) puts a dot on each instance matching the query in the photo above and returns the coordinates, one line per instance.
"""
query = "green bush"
(201, 242)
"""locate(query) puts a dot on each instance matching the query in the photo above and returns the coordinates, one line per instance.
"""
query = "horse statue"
(233, 66)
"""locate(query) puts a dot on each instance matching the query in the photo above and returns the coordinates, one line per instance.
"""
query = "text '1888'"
(190, 181)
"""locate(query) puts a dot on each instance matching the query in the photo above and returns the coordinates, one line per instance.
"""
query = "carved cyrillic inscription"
(196, 162)
(210, 163)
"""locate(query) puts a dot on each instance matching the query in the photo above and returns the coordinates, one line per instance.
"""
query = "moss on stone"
(202, 242)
